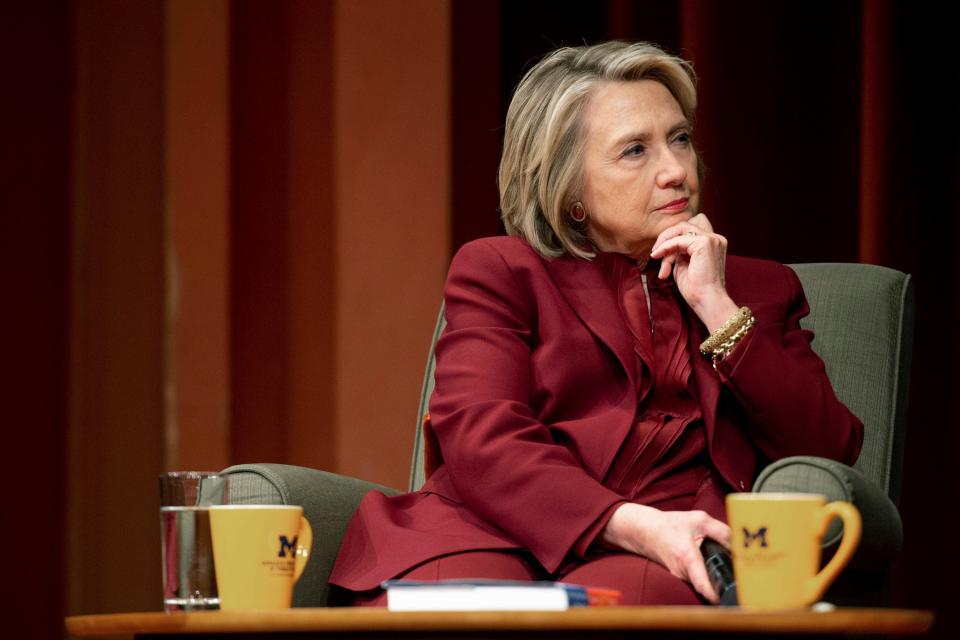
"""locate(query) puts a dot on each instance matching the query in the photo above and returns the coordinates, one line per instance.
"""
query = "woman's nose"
(671, 171)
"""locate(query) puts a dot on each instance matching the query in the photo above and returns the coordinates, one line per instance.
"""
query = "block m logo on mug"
(750, 538)
(286, 546)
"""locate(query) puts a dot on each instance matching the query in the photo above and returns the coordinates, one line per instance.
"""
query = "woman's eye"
(634, 150)
(683, 138)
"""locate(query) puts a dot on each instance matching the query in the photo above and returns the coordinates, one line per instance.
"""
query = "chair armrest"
(328, 500)
(882, 528)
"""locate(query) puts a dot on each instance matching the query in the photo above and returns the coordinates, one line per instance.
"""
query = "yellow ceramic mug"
(775, 539)
(259, 551)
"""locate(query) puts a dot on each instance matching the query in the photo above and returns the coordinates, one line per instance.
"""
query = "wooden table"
(598, 622)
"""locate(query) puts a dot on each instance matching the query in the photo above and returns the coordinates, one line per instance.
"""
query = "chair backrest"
(862, 318)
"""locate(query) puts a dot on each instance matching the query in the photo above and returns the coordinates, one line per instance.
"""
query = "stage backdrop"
(227, 225)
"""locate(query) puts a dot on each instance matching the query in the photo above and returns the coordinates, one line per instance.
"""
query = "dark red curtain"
(35, 42)
(830, 135)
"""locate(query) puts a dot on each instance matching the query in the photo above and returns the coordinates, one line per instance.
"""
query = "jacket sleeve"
(503, 462)
(782, 388)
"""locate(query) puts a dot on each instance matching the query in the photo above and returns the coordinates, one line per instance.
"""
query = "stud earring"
(577, 213)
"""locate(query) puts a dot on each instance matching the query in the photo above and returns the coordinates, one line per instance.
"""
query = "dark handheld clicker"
(720, 571)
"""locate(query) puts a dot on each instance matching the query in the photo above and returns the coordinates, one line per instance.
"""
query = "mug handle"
(304, 544)
(852, 527)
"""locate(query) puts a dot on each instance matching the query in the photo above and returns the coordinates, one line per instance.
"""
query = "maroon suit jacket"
(536, 391)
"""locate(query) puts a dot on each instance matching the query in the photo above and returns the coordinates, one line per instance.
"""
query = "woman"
(607, 373)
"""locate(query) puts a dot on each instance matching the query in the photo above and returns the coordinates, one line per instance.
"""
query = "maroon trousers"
(640, 581)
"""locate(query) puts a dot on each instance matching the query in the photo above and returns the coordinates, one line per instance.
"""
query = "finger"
(672, 256)
(678, 229)
(669, 264)
(665, 268)
(697, 574)
(679, 244)
(712, 240)
(718, 531)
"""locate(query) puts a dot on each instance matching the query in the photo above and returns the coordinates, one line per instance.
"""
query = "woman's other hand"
(671, 538)
(697, 258)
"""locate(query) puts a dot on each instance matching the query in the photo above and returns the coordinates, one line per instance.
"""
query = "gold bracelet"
(726, 331)
(727, 346)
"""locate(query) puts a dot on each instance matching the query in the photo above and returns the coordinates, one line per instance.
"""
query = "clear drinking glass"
(189, 579)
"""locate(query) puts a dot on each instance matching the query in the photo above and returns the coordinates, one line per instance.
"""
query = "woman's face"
(639, 166)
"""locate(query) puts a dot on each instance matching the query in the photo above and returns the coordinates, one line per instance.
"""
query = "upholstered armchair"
(862, 317)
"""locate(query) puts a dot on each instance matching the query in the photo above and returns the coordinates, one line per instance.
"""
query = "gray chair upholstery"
(862, 317)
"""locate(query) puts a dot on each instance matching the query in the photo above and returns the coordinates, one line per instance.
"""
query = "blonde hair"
(540, 169)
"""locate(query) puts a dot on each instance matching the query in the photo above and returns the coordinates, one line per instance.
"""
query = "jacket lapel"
(707, 380)
(591, 297)
(586, 288)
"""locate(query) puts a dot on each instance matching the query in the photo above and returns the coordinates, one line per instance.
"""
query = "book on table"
(493, 595)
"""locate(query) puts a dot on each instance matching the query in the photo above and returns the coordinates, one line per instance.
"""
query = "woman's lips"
(675, 206)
